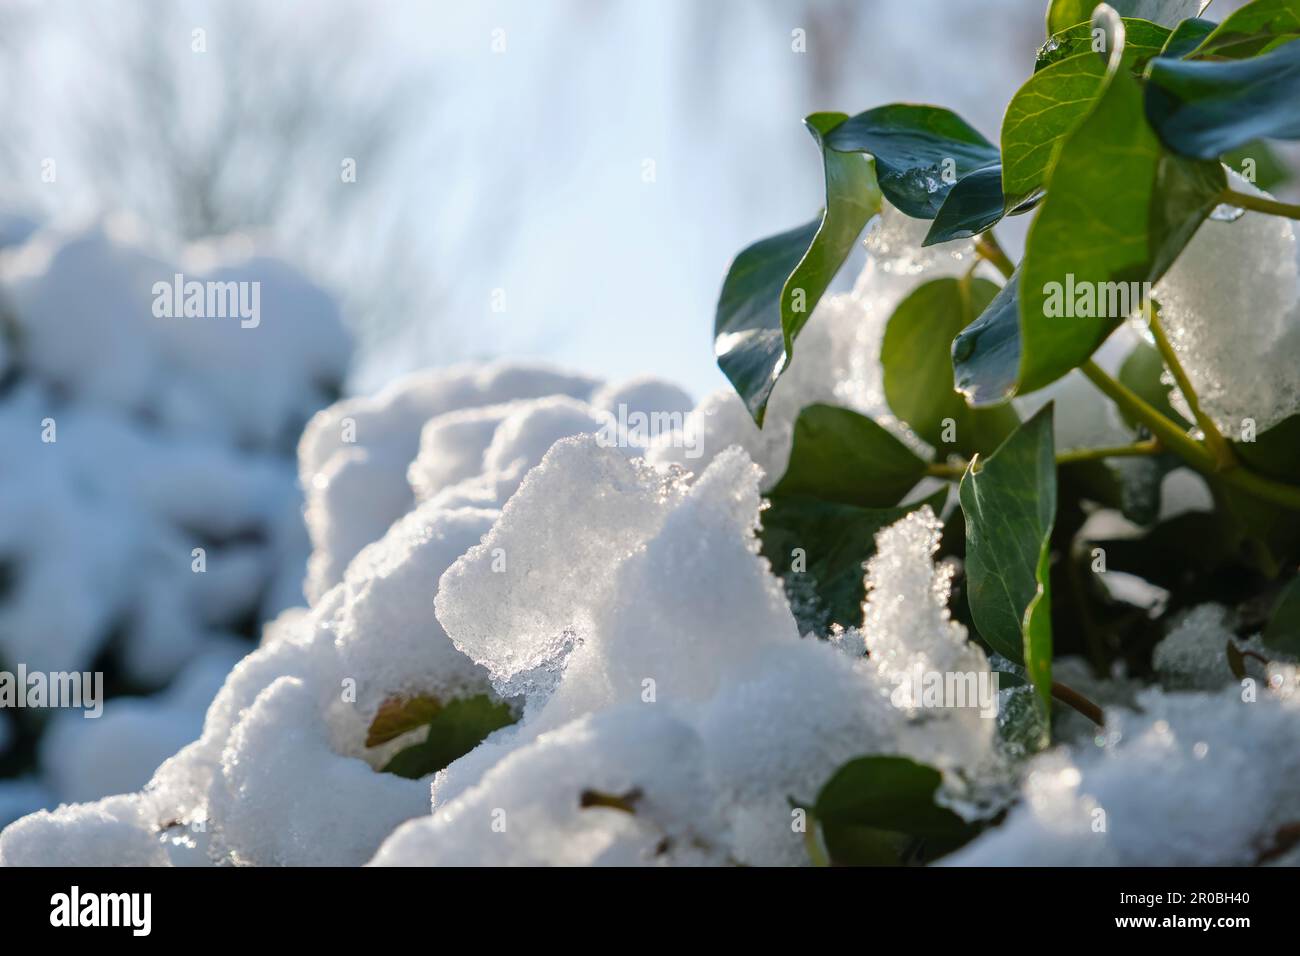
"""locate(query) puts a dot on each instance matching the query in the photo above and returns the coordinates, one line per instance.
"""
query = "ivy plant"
(1119, 146)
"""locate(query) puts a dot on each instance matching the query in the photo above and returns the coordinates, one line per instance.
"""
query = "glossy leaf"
(974, 205)
(1144, 40)
(1050, 104)
(887, 793)
(918, 372)
(1203, 109)
(841, 456)
(1118, 211)
(1187, 37)
(1062, 14)
(773, 286)
(986, 354)
(920, 152)
(749, 341)
(1249, 30)
(1009, 500)
(834, 541)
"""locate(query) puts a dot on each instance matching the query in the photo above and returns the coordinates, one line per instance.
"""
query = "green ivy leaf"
(1203, 109)
(920, 152)
(1145, 40)
(1187, 37)
(457, 728)
(397, 715)
(870, 802)
(1282, 633)
(835, 541)
(1010, 505)
(1062, 14)
(1267, 536)
(986, 354)
(1117, 213)
(917, 362)
(1043, 111)
(1251, 29)
(773, 286)
(841, 456)
(1143, 371)
(974, 204)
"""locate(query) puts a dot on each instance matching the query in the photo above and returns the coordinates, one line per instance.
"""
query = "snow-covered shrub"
(765, 632)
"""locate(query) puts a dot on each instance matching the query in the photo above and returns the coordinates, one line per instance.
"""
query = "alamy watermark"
(83, 690)
(917, 687)
(638, 429)
(1094, 300)
(191, 299)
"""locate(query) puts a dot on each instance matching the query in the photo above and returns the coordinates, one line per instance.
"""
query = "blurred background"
(413, 184)
(557, 178)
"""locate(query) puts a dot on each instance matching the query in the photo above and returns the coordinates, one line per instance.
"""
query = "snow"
(1239, 276)
(133, 440)
(1155, 794)
(83, 760)
(484, 530)
(358, 451)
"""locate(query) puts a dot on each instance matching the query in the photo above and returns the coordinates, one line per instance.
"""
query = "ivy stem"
(1214, 439)
(1072, 698)
(1172, 437)
(987, 248)
(1149, 446)
(813, 845)
(1260, 204)
(953, 471)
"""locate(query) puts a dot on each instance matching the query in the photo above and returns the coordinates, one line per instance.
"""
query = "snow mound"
(1155, 792)
(1241, 276)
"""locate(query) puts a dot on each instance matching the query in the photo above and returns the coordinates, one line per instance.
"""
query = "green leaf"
(1203, 109)
(1267, 535)
(918, 375)
(1187, 37)
(1043, 111)
(1010, 505)
(1118, 211)
(1062, 14)
(458, 727)
(1143, 371)
(1249, 30)
(920, 152)
(974, 204)
(749, 341)
(1236, 662)
(986, 354)
(839, 455)
(773, 286)
(1145, 40)
(397, 715)
(871, 799)
(1282, 633)
(834, 541)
